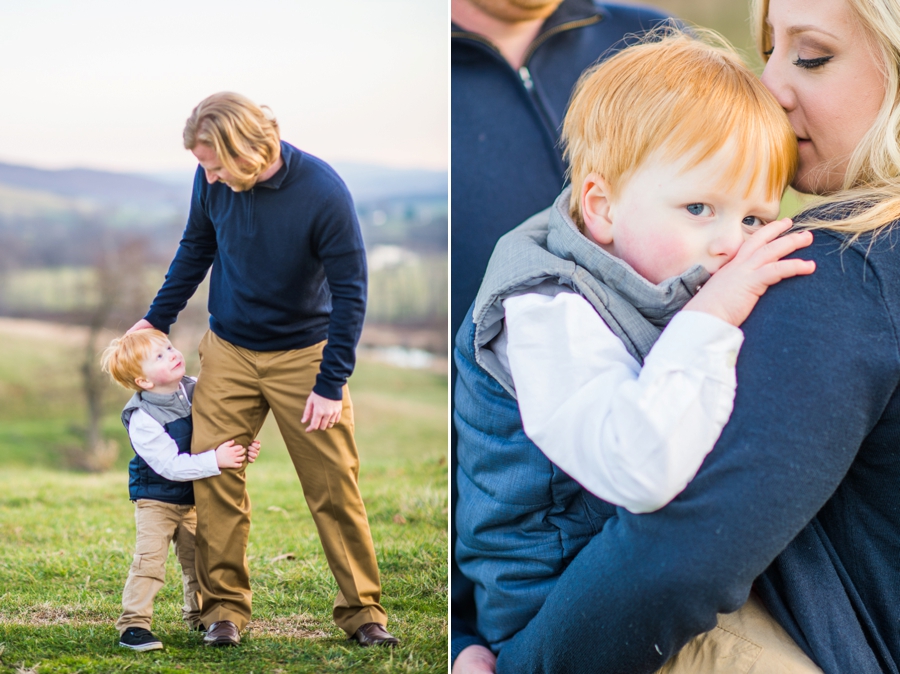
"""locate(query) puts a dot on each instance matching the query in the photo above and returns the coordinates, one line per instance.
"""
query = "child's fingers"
(785, 245)
(774, 272)
(767, 233)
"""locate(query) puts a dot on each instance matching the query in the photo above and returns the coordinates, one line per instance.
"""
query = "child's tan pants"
(158, 524)
(748, 641)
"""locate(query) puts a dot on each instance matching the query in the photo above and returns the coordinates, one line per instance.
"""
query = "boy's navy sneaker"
(139, 639)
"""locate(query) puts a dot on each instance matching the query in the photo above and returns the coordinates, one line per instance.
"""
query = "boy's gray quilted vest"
(173, 413)
(520, 519)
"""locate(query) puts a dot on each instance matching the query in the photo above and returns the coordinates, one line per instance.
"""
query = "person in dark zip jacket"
(287, 298)
(513, 67)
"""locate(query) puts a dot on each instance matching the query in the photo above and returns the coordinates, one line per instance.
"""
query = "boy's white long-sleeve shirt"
(159, 450)
(634, 436)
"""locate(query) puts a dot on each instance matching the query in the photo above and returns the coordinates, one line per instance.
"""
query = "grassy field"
(66, 538)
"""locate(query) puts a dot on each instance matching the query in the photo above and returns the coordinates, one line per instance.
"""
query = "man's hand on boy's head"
(732, 292)
(230, 455)
(142, 324)
(321, 413)
(253, 450)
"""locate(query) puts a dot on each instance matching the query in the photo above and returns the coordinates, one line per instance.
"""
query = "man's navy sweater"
(288, 265)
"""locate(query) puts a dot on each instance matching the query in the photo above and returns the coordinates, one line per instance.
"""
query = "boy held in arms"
(598, 369)
(158, 419)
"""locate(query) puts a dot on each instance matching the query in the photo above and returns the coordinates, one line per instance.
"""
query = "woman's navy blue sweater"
(288, 265)
(801, 491)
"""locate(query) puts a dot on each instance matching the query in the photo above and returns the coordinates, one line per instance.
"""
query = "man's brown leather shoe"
(373, 634)
(222, 633)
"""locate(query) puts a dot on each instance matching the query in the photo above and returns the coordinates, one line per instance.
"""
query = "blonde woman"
(287, 299)
(797, 503)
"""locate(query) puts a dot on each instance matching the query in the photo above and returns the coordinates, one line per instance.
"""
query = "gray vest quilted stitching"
(520, 519)
(549, 246)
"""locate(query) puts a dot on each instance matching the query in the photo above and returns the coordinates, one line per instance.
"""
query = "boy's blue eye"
(697, 209)
(752, 221)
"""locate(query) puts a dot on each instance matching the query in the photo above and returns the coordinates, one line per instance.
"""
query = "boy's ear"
(595, 209)
(143, 383)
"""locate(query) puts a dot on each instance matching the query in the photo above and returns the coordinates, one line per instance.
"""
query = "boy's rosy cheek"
(674, 249)
(658, 256)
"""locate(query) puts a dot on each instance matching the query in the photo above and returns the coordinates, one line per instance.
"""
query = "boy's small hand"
(733, 291)
(230, 455)
(253, 451)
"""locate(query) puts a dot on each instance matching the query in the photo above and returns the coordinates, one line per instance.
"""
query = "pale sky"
(107, 84)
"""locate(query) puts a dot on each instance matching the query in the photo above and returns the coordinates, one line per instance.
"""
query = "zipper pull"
(526, 78)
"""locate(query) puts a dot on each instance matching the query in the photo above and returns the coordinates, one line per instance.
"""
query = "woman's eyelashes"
(810, 64)
(806, 64)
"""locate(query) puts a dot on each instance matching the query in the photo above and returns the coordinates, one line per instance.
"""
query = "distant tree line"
(28, 242)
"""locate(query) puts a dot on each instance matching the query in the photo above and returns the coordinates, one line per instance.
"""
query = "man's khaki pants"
(748, 641)
(235, 391)
(159, 524)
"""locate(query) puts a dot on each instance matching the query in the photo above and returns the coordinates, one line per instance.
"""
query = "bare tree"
(120, 290)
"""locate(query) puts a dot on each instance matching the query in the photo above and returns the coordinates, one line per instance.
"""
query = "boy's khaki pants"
(748, 641)
(235, 391)
(159, 524)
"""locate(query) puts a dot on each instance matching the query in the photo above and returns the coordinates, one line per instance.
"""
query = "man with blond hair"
(287, 300)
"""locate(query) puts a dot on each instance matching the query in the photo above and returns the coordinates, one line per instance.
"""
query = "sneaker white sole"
(152, 646)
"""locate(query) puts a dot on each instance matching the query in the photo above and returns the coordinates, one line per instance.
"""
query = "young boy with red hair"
(158, 419)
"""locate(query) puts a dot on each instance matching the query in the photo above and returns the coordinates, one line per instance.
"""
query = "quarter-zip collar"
(571, 14)
(288, 154)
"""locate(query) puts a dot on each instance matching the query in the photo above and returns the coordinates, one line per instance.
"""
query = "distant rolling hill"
(26, 190)
(101, 186)
(54, 217)
(370, 183)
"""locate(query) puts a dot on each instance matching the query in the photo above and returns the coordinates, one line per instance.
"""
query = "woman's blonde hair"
(124, 356)
(684, 97)
(870, 195)
(244, 135)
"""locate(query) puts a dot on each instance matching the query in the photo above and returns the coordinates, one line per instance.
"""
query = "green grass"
(66, 538)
